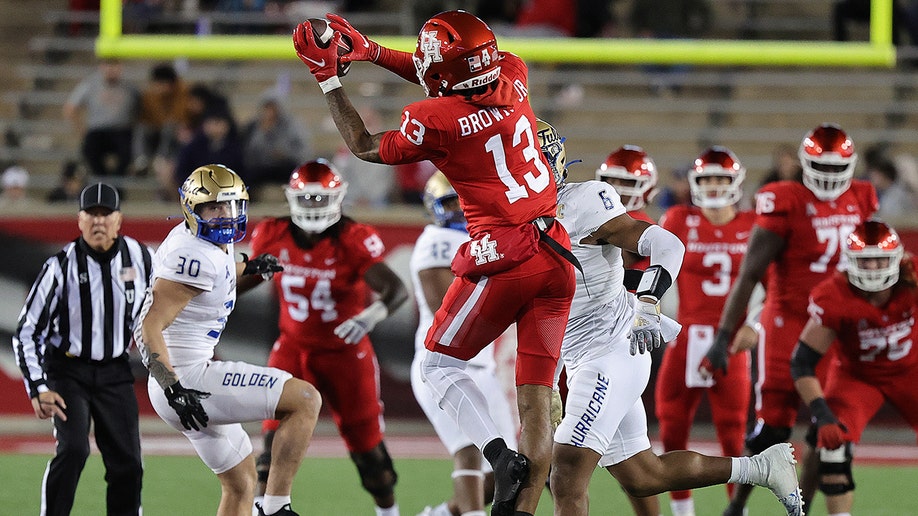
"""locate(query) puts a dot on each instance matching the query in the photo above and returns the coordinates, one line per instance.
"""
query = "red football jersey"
(487, 148)
(323, 286)
(814, 232)
(874, 343)
(711, 263)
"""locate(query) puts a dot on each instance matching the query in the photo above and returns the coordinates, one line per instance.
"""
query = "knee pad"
(377, 474)
(836, 463)
(764, 436)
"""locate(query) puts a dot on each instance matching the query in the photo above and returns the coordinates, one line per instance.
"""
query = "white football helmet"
(315, 193)
(873, 252)
(828, 159)
(632, 173)
(716, 161)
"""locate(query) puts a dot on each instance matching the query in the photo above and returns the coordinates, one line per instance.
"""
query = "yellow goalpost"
(878, 52)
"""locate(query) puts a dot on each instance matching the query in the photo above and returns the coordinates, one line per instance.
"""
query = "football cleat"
(780, 472)
(510, 471)
(284, 511)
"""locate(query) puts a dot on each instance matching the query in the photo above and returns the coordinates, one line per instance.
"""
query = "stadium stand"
(597, 107)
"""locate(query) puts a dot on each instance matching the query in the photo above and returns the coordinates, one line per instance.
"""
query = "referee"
(71, 344)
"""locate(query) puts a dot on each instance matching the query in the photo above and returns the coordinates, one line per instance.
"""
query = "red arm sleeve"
(397, 62)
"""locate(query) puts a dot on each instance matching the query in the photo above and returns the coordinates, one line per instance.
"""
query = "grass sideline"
(329, 486)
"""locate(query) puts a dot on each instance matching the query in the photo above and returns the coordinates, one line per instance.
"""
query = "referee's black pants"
(102, 392)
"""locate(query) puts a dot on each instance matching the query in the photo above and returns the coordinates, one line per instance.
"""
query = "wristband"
(330, 84)
(654, 283)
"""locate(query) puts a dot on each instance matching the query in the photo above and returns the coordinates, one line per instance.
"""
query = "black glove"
(264, 264)
(187, 404)
(716, 357)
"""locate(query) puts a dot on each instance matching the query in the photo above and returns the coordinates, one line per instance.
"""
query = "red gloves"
(363, 48)
(831, 436)
(322, 62)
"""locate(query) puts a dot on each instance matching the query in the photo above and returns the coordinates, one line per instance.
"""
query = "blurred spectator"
(677, 190)
(244, 7)
(547, 18)
(70, 184)
(103, 109)
(497, 13)
(669, 19)
(201, 99)
(595, 18)
(14, 182)
(845, 11)
(164, 109)
(79, 7)
(275, 143)
(785, 165)
(216, 142)
(895, 197)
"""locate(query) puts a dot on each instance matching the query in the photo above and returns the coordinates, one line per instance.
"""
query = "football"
(323, 34)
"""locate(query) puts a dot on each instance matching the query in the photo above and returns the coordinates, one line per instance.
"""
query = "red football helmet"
(456, 51)
(633, 174)
(315, 193)
(716, 162)
(828, 158)
(873, 252)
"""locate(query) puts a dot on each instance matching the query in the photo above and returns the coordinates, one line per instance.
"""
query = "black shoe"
(284, 511)
(510, 471)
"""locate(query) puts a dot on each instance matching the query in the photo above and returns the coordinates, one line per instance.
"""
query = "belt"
(544, 223)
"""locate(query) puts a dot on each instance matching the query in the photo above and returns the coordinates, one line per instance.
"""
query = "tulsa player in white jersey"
(473, 479)
(604, 421)
(194, 290)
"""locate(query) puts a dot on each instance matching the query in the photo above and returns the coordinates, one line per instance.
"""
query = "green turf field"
(183, 486)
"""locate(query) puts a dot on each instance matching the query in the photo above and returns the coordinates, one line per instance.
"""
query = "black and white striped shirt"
(83, 303)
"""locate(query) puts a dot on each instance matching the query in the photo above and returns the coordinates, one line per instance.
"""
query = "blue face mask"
(453, 219)
(224, 230)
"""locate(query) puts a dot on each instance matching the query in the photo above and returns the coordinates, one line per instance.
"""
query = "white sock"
(683, 507)
(840, 514)
(741, 472)
(474, 513)
(391, 511)
(259, 502)
(441, 510)
(273, 504)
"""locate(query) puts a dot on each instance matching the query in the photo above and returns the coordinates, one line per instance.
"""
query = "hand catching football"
(323, 34)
